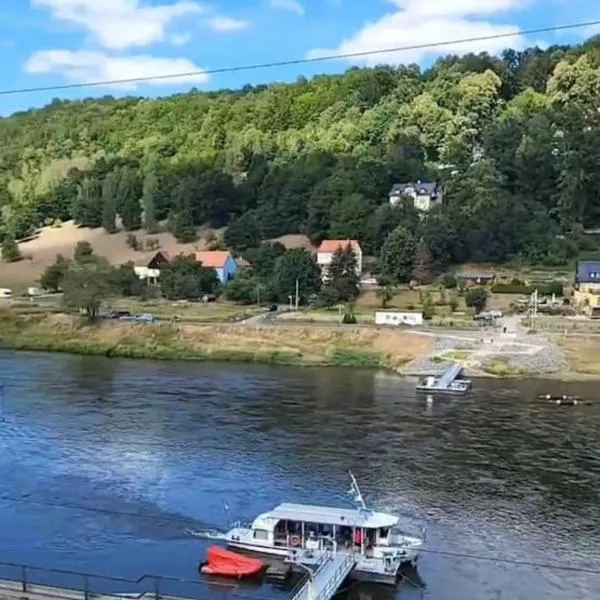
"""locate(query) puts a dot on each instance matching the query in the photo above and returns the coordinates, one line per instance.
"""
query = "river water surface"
(111, 467)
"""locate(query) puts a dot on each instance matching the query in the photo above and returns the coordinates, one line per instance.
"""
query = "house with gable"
(329, 247)
(222, 261)
(424, 195)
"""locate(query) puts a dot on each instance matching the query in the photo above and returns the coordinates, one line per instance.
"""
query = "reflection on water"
(107, 466)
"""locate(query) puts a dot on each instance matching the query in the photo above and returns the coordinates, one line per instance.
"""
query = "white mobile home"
(398, 317)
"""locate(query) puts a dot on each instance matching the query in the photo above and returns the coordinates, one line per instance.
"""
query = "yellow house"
(586, 294)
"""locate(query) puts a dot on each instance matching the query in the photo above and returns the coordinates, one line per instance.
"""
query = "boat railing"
(340, 574)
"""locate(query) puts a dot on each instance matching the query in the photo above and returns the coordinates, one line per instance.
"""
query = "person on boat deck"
(358, 537)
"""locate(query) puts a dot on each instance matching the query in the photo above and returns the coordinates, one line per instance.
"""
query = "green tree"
(84, 253)
(181, 222)
(126, 282)
(52, 278)
(428, 307)
(476, 298)
(130, 193)
(243, 232)
(87, 205)
(453, 302)
(87, 285)
(422, 263)
(350, 218)
(244, 289)
(149, 196)
(186, 279)
(296, 265)
(385, 292)
(10, 250)
(397, 255)
(342, 276)
(109, 202)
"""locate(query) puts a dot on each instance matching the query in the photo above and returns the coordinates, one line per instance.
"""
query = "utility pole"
(534, 306)
(297, 294)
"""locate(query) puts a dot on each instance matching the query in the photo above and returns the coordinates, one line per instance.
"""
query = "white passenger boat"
(376, 539)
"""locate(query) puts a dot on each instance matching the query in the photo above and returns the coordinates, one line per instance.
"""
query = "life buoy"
(295, 540)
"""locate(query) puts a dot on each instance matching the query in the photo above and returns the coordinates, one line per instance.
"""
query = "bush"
(133, 242)
(476, 298)
(518, 287)
(150, 244)
(449, 281)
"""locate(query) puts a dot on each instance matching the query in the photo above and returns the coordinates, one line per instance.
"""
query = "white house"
(423, 194)
(5, 293)
(147, 274)
(398, 317)
(329, 247)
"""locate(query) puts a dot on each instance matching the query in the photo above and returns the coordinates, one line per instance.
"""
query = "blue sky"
(53, 42)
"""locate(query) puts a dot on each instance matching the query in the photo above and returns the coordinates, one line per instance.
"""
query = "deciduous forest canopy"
(515, 140)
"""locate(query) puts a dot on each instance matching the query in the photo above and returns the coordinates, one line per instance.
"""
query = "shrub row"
(544, 289)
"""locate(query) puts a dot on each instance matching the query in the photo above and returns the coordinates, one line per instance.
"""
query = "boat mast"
(355, 493)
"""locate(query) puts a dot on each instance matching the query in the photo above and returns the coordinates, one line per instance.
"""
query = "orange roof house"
(329, 247)
(333, 246)
(221, 261)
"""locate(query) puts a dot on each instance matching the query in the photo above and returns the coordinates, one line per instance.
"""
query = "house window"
(261, 534)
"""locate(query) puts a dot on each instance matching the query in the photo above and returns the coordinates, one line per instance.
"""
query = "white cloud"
(91, 67)
(420, 22)
(289, 5)
(227, 24)
(120, 24)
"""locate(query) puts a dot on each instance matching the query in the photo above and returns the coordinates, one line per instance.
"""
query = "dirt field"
(41, 251)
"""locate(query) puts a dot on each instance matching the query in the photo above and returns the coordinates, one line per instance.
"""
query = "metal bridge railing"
(29, 579)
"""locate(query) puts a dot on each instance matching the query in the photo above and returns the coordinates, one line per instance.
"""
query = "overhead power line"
(448, 553)
(299, 61)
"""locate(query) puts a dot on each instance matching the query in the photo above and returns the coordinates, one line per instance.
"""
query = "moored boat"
(224, 563)
(375, 539)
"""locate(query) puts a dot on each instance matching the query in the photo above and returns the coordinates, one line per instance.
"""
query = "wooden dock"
(451, 381)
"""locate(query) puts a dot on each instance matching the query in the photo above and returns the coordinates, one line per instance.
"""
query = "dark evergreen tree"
(109, 201)
(343, 279)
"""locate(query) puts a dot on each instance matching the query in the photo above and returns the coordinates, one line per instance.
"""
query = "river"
(110, 466)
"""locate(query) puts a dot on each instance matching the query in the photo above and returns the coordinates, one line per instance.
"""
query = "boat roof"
(327, 515)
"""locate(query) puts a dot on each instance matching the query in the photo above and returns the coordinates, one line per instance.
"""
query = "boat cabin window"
(261, 534)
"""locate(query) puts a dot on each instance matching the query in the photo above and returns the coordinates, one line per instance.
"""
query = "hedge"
(544, 289)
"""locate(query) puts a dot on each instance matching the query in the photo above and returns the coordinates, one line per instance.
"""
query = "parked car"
(147, 318)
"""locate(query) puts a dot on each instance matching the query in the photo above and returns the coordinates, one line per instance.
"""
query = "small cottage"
(329, 247)
(221, 261)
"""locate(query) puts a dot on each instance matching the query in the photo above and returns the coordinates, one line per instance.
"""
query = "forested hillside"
(514, 139)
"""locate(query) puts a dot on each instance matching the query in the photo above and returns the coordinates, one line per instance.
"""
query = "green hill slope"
(514, 140)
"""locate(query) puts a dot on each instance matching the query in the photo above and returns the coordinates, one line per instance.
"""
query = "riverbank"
(243, 343)
(403, 351)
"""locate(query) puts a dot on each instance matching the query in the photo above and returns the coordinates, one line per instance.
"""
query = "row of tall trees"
(513, 139)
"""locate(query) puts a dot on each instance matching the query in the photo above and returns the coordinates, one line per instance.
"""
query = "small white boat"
(375, 539)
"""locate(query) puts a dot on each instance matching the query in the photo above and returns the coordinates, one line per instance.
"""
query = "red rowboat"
(229, 564)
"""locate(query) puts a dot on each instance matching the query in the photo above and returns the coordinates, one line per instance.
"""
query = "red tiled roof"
(214, 259)
(334, 245)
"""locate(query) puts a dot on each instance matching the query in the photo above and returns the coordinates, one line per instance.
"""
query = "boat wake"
(206, 534)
